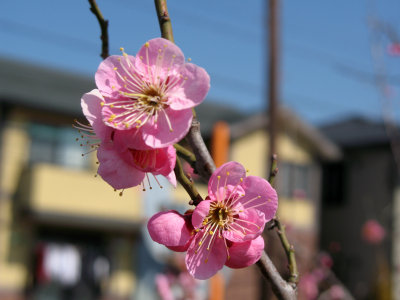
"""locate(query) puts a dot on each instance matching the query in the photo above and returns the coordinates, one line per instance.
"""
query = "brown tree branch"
(205, 167)
(103, 26)
(280, 287)
(187, 184)
(204, 163)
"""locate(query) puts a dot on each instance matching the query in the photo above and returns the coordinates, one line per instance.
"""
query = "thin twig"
(187, 184)
(273, 169)
(164, 20)
(290, 253)
(186, 155)
(276, 223)
(103, 26)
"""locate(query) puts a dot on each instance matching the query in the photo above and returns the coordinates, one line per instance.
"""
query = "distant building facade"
(364, 185)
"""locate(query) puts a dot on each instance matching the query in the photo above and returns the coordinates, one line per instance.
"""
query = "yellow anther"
(115, 68)
(197, 230)
(147, 45)
(173, 56)
(126, 125)
(122, 49)
(112, 105)
(189, 59)
(247, 171)
(159, 50)
(139, 121)
(200, 243)
(141, 57)
(227, 173)
(102, 103)
(241, 179)
(258, 197)
(113, 87)
(219, 177)
(171, 130)
(111, 118)
(211, 232)
(119, 59)
(165, 46)
(206, 260)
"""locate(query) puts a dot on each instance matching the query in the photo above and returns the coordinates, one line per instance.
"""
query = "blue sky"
(325, 46)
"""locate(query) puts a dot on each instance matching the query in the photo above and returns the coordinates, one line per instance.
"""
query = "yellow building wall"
(54, 189)
(13, 260)
(252, 152)
(79, 193)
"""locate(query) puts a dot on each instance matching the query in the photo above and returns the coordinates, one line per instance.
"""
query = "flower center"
(152, 100)
(220, 215)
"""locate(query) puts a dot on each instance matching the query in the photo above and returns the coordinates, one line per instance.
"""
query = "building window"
(333, 181)
(294, 180)
(56, 145)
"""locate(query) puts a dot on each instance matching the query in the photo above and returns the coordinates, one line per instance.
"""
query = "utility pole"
(273, 71)
(272, 96)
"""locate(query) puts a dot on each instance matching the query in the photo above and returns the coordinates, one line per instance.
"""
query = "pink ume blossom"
(224, 229)
(373, 232)
(148, 98)
(119, 165)
(394, 49)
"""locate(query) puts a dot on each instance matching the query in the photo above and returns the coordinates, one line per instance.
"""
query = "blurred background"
(65, 234)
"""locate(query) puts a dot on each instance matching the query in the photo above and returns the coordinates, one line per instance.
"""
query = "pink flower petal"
(130, 139)
(166, 159)
(171, 178)
(260, 195)
(107, 79)
(159, 135)
(159, 161)
(171, 229)
(114, 170)
(200, 212)
(248, 225)
(91, 108)
(172, 56)
(205, 263)
(245, 254)
(235, 170)
(193, 91)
